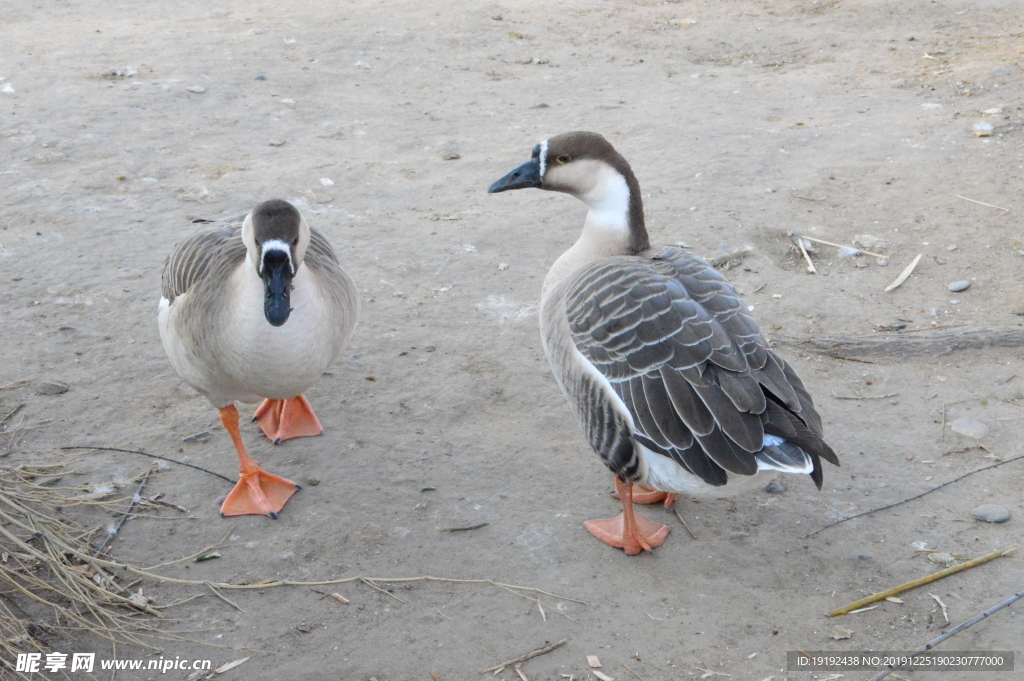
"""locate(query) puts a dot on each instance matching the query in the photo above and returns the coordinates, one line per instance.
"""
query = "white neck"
(605, 231)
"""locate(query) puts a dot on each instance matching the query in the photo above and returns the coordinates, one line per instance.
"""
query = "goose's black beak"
(277, 286)
(526, 175)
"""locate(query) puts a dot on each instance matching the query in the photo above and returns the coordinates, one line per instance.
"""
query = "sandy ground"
(121, 122)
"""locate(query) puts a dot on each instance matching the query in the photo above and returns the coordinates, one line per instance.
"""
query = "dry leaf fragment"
(841, 633)
(905, 274)
(593, 661)
(230, 665)
(603, 677)
(941, 605)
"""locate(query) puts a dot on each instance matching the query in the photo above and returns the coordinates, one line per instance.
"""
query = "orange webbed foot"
(259, 493)
(628, 531)
(282, 420)
(647, 534)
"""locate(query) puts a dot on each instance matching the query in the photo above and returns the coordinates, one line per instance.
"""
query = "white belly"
(664, 474)
(245, 358)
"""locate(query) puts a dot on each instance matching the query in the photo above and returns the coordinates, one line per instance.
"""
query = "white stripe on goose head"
(276, 245)
(543, 158)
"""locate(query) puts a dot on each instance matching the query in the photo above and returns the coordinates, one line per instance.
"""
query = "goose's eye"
(564, 158)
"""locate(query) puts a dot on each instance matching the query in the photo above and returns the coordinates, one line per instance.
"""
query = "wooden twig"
(11, 413)
(523, 658)
(124, 516)
(462, 529)
(15, 384)
(223, 597)
(882, 508)
(982, 203)
(729, 257)
(955, 630)
(905, 274)
(157, 456)
(930, 342)
(373, 586)
(692, 535)
(859, 250)
(874, 598)
(800, 244)
(633, 672)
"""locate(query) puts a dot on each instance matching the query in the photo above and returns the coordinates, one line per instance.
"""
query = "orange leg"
(650, 496)
(629, 531)
(257, 492)
(284, 419)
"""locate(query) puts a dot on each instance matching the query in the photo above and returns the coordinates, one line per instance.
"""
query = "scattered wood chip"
(341, 599)
(521, 674)
(543, 615)
(708, 673)
(593, 661)
(230, 665)
(893, 599)
(841, 633)
(942, 605)
(905, 274)
(602, 676)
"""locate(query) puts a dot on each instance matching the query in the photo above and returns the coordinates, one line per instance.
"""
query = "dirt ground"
(744, 121)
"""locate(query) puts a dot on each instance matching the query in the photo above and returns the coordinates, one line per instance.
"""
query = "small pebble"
(276, 143)
(958, 286)
(940, 558)
(991, 513)
(198, 89)
(969, 427)
(452, 157)
(312, 482)
(882, 262)
(51, 388)
(774, 487)
(260, 78)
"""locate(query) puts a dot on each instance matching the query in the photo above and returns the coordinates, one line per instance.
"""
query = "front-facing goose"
(669, 377)
(257, 311)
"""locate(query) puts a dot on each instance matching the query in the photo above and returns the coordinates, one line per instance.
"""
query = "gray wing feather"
(206, 250)
(674, 339)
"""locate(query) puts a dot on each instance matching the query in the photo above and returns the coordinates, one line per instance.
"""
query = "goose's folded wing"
(194, 258)
(675, 341)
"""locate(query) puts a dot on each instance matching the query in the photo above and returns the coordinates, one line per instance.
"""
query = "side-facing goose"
(669, 377)
(251, 311)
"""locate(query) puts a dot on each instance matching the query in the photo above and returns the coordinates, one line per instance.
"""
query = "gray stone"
(774, 487)
(869, 241)
(991, 513)
(50, 388)
(958, 286)
(969, 427)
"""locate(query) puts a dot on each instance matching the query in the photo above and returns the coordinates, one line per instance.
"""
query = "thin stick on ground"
(527, 656)
(898, 503)
(982, 203)
(224, 598)
(124, 516)
(859, 250)
(874, 598)
(729, 257)
(956, 630)
(373, 586)
(633, 672)
(800, 244)
(156, 456)
(692, 535)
